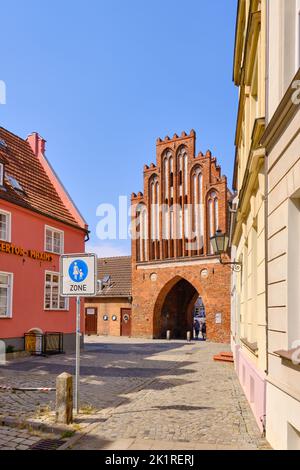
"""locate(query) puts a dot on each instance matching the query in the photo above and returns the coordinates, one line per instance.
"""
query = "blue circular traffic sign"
(78, 271)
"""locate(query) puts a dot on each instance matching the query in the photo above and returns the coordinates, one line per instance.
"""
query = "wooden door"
(125, 322)
(91, 317)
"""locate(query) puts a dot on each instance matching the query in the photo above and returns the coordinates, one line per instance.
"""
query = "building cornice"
(283, 115)
(252, 43)
(246, 73)
(239, 44)
(178, 263)
(254, 164)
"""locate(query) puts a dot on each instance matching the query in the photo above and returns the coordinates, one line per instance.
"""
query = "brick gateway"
(185, 201)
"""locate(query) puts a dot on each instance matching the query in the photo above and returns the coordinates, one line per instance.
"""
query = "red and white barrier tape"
(27, 389)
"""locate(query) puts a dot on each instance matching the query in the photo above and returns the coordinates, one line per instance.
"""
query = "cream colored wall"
(250, 284)
(253, 97)
(284, 259)
(249, 239)
(283, 420)
(283, 389)
(282, 50)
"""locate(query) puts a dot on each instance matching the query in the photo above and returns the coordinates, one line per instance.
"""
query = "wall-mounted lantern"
(220, 243)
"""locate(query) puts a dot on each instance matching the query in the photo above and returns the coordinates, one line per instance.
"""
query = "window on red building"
(53, 301)
(54, 242)
(6, 282)
(5, 219)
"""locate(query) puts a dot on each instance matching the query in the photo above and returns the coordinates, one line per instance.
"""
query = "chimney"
(37, 144)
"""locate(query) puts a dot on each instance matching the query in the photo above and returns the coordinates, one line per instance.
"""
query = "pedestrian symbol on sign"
(78, 271)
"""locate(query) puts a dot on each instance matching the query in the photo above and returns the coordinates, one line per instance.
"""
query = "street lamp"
(220, 243)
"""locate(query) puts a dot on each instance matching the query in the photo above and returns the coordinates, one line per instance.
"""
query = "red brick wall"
(149, 296)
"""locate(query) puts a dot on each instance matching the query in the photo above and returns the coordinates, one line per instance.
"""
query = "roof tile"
(119, 269)
(38, 192)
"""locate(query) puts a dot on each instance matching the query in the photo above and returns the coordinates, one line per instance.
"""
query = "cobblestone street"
(16, 439)
(148, 394)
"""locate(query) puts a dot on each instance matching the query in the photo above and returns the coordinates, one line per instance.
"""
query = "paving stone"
(147, 390)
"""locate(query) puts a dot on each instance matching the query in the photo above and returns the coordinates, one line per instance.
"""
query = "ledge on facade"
(284, 113)
(107, 295)
(288, 355)
(181, 259)
(253, 347)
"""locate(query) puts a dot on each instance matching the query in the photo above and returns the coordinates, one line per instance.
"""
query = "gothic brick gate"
(185, 201)
(168, 302)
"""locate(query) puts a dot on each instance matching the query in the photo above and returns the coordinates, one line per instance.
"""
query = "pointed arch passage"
(174, 309)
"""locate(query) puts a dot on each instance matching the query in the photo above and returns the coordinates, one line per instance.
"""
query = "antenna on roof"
(3, 144)
(105, 282)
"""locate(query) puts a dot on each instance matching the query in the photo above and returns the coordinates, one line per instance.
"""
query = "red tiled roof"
(38, 192)
(119, 269)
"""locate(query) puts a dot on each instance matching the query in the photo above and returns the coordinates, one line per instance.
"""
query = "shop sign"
(11, 249)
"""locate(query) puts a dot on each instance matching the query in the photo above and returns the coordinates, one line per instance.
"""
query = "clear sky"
(100, 80)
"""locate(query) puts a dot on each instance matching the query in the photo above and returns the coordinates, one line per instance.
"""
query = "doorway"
(175, 313)
(91, 320)
(125, 322)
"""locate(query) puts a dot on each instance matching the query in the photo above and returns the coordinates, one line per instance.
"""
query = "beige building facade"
(109, 313)
(282, 142)
(248, 330)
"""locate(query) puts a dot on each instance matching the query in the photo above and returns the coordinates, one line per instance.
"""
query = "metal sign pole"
(78, 277)
(77, 379)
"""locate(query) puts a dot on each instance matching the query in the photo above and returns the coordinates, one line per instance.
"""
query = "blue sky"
(101, 80)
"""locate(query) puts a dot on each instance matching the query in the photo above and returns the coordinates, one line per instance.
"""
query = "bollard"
(168, 335)
(2, 353)
(64, 399)
(188, 336)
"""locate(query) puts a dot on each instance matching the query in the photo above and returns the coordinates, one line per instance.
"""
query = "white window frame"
(61, 232)
(1, 174)
(10, 309)
(57, 309)
(8, 214)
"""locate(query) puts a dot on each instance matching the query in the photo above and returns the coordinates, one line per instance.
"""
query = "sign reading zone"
(78, 275)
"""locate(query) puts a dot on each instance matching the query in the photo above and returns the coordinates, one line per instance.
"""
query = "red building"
(185, 200)
(38, 222)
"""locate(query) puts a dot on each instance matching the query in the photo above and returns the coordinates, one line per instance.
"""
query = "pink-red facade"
(24, 257)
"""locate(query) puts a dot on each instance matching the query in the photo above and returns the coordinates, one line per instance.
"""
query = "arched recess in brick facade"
(212, 207)
(173, 308)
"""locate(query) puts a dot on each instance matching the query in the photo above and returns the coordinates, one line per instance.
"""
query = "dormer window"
(3, 144)
(1, 174)
(14, 183)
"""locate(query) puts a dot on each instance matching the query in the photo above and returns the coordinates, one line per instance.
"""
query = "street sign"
(78, 278)
(78, 275)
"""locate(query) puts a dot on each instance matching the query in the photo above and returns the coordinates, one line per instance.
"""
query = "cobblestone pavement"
(110, 368)
(150, 393)
(16, 439)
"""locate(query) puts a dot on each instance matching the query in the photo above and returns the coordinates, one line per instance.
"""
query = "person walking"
(196, 328)
(203, 331)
